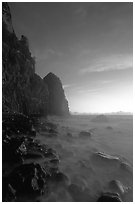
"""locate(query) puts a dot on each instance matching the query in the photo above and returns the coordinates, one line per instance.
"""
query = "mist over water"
(95, 156)
(76, 57)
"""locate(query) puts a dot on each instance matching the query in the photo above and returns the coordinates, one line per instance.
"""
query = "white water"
(81, 164)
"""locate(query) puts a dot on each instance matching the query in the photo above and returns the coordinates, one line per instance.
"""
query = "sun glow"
(102, 102)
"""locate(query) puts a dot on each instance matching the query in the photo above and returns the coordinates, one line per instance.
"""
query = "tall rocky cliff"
(57, 101)
(22, 89)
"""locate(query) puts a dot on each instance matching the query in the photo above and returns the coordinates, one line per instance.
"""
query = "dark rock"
(117, 187)
(11, 150)
(8, 192)
(28, 178)
(58, 104)
(85, 134)
(109, 197)
(69, 135)
(17, 124)
(109, 128)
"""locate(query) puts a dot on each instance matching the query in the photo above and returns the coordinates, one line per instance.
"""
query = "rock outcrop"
(28, 166)
(58, 104)
(23, 90)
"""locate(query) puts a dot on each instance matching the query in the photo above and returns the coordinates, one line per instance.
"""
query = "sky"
(89, 46)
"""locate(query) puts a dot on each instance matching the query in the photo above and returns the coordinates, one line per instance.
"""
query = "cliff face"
(22, 89)
(58, 104)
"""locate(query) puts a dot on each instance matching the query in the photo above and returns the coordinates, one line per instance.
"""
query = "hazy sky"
(88, 45)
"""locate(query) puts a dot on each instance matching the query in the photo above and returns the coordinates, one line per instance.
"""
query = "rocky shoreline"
(30, 170)
(28, 166)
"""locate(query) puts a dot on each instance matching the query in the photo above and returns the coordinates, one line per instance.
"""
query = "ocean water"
(96, 157)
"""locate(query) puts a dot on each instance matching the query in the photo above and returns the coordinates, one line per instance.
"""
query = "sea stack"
(58, 104)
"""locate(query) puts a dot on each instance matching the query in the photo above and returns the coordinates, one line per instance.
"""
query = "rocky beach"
(49, 154)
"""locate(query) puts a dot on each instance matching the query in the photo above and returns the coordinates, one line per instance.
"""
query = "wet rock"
(69, 134)
(36, 150)
(28, 178)
(109, 128)
(33, 132)
(16, 148)
(13, 149)
(105, 157)
(85, 134)
(16, 124)
(109, 197)
(8, 192)
(106, 161)
(28, 166)
(124, 166)
(117, 187)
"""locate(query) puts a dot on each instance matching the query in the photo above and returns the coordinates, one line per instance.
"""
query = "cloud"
(81, 11)
(47, 53)
(68, 86)
(103, 67)
(89, 90)
(118, 62)
(106, 81)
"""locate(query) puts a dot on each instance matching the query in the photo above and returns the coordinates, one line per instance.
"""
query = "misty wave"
(96, 160)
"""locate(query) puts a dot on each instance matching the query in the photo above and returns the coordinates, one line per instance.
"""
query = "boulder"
(117, 187)
(28, 178)
(84, 134)
(109, 128)
(8, 192)
(109, 197)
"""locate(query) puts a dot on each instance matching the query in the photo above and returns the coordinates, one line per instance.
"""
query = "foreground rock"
(117, 186)
(109, 197)
(28, 167)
